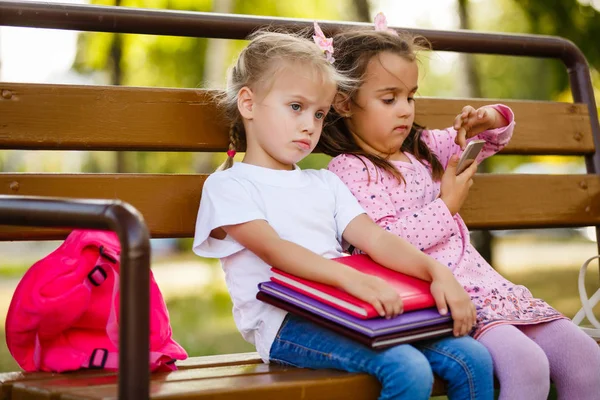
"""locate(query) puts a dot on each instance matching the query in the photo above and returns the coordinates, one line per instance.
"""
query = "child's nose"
(308, 126)
(404, 108)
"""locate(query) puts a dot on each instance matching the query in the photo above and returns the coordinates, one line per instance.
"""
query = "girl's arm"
(229, 220)
(495, 131)
(260, 238)
(424, 228)
(395, 253)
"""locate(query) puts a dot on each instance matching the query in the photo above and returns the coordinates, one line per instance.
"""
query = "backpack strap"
(102, 358)
(587, 304)
(112, 325)
(106, 265)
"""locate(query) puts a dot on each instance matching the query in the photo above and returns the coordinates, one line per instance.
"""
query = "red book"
(414, 292)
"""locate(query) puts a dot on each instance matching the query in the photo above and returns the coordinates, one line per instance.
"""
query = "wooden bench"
(62, 117)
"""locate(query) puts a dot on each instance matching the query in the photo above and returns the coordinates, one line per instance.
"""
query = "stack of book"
(343, 313)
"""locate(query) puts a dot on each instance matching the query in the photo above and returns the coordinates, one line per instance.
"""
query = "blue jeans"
(405, 371)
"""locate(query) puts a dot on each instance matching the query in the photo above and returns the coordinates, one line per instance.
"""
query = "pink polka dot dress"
(414, 212)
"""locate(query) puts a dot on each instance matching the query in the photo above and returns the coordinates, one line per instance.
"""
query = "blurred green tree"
(528, 78)
(166, 61)
(576, 20)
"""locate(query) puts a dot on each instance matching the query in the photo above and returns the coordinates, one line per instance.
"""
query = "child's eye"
(296, 106)
(411, 99)
(319, 115)
(388, 101)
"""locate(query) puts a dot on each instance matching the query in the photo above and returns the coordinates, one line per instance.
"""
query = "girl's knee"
(580, 368)
(465, 364)
(474, 365)
(531, 368)
(456, 356)
(475, 355)
(419, 372)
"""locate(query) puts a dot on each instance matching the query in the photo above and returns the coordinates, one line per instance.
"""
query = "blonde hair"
(255, 67)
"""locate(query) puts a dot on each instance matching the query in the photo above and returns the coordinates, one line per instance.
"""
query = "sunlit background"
(203, 323)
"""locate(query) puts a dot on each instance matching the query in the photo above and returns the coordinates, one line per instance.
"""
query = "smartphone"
(469, 155)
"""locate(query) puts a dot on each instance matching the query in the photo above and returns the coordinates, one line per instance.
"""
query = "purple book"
(370, 327)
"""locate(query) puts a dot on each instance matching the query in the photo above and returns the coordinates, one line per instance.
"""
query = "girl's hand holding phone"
(471, 122)
(455, 188)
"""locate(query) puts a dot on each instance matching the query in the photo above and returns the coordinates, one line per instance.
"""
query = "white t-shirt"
(308, 207)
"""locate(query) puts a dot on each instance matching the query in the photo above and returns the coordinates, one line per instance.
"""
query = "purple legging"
(526, 357)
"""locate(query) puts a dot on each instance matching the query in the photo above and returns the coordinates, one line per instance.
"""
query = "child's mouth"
(302, 144)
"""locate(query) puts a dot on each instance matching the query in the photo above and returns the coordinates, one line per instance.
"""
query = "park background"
(547, 261)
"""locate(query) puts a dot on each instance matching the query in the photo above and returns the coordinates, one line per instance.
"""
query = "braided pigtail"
(236, 143)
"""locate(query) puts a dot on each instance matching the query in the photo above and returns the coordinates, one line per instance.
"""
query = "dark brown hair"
(353, 51)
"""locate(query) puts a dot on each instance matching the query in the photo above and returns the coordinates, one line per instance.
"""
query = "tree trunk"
(1, 57)
(216, 49)
(362, 10)
(115, 56)
(482, 240)
(214, 66)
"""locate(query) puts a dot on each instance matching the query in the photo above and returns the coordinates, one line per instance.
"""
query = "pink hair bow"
(324, 43)
(381, 24)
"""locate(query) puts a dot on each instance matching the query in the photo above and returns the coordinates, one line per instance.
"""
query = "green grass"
(204, 325)
(14, 270)
(6, 361)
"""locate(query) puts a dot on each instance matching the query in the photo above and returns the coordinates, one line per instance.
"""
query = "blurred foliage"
(148, 60)
(167, 61)
(571, 19)
(529, 78)
(179, 61)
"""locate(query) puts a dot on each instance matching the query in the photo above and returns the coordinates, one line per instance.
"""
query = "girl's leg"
(403, 371)
(520, 364)
(464, 364)
(574, 358)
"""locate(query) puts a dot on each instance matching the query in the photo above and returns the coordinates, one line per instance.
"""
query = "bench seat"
(222, 377)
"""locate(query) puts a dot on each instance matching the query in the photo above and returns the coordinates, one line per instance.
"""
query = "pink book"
(414, 292)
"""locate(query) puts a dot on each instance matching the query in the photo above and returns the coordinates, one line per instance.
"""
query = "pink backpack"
(64, 313)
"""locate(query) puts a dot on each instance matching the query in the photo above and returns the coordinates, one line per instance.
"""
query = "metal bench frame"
(129, 224)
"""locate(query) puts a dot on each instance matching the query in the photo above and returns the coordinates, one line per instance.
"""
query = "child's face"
(287, 117)
(383, 110)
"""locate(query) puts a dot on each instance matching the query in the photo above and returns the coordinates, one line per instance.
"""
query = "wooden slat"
(55, 117)
(9, 379)
(541, 127)
(52, 388)
(532, 201)
(220, 360)
(229, 376)
(304, 384)
(108, 118)
(169, 203)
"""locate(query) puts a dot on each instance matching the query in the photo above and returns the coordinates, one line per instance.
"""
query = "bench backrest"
(60, 117)
(63, 117)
